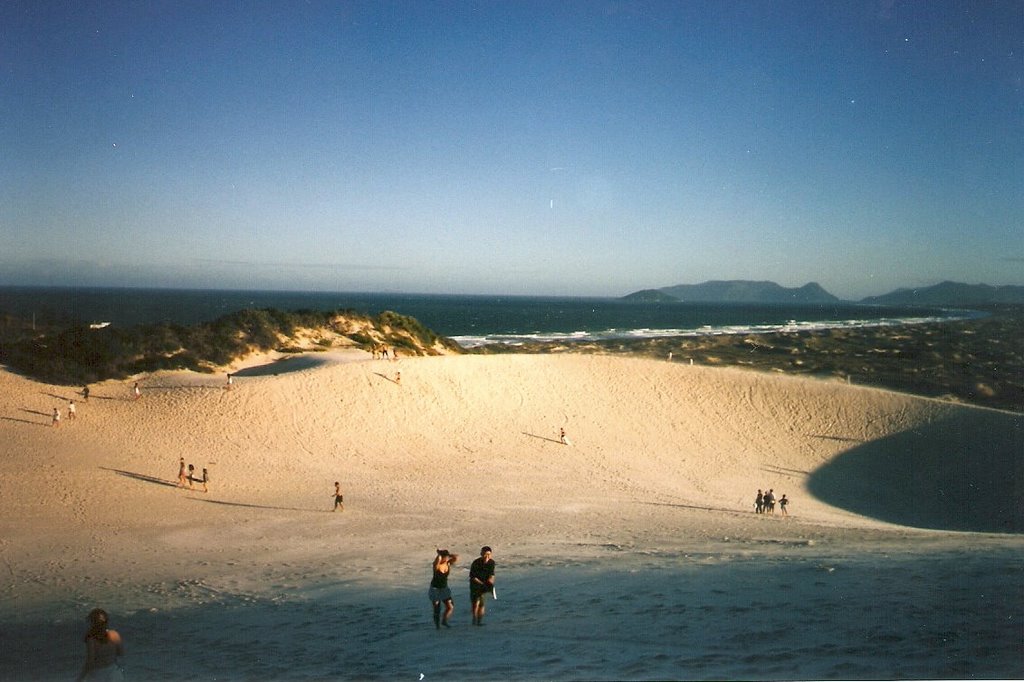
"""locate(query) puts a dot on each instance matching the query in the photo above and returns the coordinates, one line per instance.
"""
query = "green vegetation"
(79, 354)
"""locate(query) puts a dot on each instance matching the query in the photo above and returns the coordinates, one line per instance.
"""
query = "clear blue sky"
(576, 148)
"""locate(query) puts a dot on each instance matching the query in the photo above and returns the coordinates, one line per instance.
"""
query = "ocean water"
(470, 320)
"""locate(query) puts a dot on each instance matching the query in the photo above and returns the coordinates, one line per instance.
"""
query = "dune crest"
(460, 451)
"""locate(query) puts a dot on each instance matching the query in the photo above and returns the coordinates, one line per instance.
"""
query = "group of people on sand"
(72, 409)
(764, 503)
(104, 646)
(187, 476)
(380, 352)
(72, 413)
(481, 583)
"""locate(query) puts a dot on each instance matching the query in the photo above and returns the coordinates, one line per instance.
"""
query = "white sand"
(633, 553)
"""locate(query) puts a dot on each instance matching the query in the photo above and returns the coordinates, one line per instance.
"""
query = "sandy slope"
(657, 485)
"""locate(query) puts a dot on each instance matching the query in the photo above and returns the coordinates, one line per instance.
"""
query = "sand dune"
(658, 484)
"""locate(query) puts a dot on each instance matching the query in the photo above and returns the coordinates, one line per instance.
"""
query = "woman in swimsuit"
(439, 591)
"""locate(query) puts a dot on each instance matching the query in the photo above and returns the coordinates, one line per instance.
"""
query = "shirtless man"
(338, 498)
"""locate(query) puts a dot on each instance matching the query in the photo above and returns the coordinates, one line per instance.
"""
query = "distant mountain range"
(952, 293)
(744, 291)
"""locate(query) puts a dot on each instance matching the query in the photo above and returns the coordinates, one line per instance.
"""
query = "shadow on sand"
(291, 364)
(25, 421)
(962, 473)
(142, 477)
(261, 506)
(550, 440)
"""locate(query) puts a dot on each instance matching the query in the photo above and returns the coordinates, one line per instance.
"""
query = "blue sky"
(575, 148)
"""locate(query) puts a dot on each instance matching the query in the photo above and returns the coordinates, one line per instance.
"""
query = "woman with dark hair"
(439, 591)
(102, 647)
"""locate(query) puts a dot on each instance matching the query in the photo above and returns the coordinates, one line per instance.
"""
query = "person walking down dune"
(182, 476)
(103, 647)
(191, 475)
(339, 499)
(71, 410)
(56, 417)
(206, 481)
(439, 591)
(481, 581)
(136, 391)
(85, 394)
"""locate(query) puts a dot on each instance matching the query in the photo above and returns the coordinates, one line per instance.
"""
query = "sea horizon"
(469, 319)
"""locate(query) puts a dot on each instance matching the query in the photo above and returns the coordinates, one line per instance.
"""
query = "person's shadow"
(550, 440)
(142, 477)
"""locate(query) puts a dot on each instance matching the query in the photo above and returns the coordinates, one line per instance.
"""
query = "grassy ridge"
(79, 354)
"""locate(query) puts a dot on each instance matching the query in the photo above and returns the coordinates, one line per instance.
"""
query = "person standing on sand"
(206, 480)
(136, 391)
(769, 501)
(56, 417)
(481, 581)
(103, 646)
(231, 380)
(71, 410)
(562, 438)
(191, 475)
(782, 505)
(339, 499)
(85, 394)
(759, 502)
(439, 591)
(182, 477)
